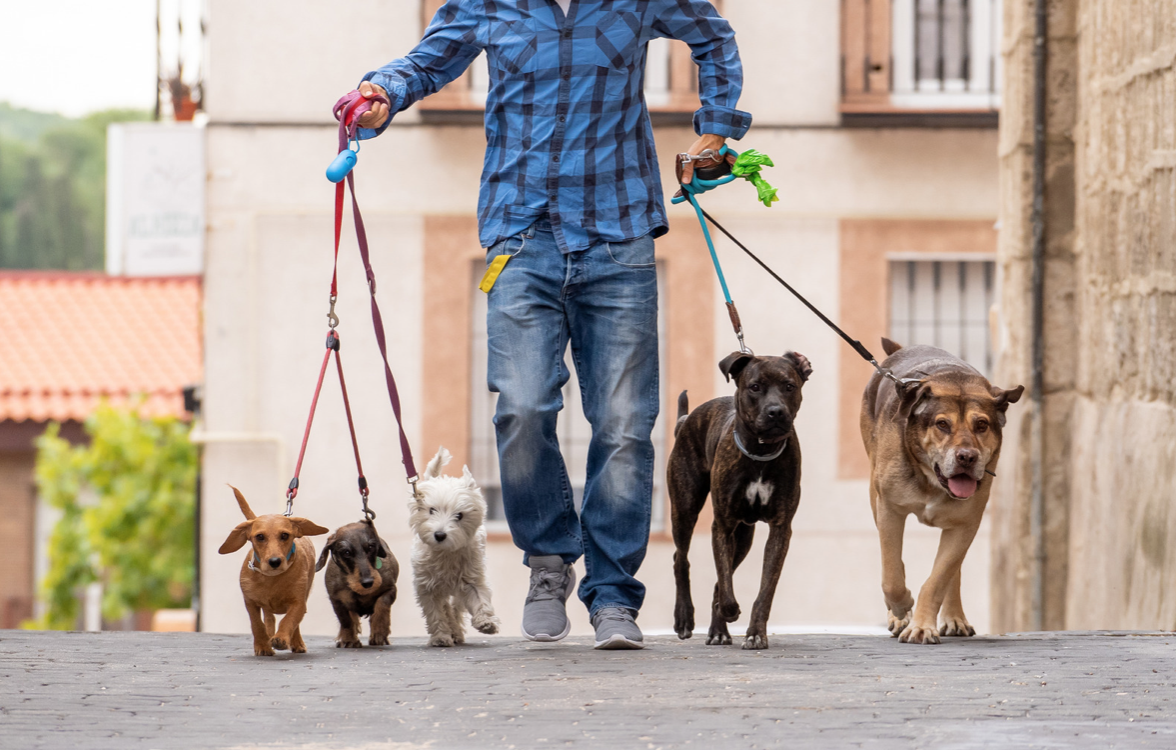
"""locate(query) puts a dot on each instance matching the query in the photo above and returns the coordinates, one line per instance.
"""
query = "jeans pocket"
(636, 253)
(511, 246)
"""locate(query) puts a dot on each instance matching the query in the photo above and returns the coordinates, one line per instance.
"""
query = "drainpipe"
(1037, 388)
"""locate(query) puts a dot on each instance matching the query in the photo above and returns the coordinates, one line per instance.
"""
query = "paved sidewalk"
(156, 690)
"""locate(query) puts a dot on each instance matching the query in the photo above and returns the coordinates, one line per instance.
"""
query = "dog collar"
(752, 456)
(255, 563)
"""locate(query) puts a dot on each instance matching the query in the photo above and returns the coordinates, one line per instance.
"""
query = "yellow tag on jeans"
(492, 272)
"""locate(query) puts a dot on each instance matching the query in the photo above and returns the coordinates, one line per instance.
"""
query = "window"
(944, 303)
(900, 56)
(573, 428)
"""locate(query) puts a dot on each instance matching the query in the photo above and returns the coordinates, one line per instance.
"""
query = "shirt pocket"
(513, 45)
(618, 41)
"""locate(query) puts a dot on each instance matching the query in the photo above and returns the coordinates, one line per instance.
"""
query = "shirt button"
(566, 76)
(562, 118)
(567, 34)
(555, 158)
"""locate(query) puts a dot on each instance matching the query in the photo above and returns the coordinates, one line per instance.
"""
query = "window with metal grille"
(946, 52)
(923, 55)
(572, 427)
(944, 303)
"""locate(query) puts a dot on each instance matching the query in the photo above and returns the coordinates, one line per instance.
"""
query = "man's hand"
(378, 114)
(713, 142)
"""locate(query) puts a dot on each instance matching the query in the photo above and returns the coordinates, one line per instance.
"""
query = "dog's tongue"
(962, 485)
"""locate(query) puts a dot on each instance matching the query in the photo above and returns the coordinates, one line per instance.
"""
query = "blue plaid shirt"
(567, 129)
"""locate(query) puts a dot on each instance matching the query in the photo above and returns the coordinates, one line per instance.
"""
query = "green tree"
(127, 502)
(53, 188)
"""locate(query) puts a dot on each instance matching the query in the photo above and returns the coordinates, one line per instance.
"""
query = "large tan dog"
(933, 444)
(275, 576)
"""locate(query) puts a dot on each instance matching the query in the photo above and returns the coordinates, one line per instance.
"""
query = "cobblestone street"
(145, 690)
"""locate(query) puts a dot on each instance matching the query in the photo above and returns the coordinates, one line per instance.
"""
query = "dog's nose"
(775, 413)
(440, 536)
(967, 456)
(275, 562)
(365, 582)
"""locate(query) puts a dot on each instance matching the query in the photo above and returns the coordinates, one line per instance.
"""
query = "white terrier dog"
(449, 554)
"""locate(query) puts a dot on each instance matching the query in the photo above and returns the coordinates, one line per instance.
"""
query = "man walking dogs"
(571, 195)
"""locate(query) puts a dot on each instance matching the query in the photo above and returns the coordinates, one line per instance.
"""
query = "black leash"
(856, 345)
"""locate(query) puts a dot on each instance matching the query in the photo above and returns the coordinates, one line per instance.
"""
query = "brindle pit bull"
(744, 453)
(933, 444)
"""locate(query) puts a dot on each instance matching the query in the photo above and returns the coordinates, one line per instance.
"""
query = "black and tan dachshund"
(361, 582)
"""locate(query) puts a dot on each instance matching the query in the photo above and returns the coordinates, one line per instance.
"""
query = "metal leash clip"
(368, 513)
(332, 318)
(707, 154)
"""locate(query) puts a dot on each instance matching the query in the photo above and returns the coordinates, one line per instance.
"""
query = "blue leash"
(690, 191)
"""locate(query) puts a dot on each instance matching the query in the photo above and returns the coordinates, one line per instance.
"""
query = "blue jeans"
(603, 302)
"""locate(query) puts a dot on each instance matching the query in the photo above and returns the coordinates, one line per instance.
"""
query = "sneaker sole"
(543, 637)
(618, 642)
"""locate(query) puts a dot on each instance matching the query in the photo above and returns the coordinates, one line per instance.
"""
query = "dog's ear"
(910, 394)
(242, 504)
(801, 363)
(326, 551)
(1004, 398)
(890, 347)
(306, 527)
(443, 457)
(237, 538)
(468, 478)
(734, 363)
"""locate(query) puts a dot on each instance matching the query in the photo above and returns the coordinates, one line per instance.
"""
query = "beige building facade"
(1109, 404)
(888, 185)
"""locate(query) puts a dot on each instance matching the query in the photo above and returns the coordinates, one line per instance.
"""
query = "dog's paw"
(262, 649)
(755, 642)
(956, 626)
(684, 622)
(378, 640)
(459, 637)
(718, 637)
(919, 634)
(487, 624)
(897, 624)
(279, 643)
(441, 640)
(348, 643)
(298, 648)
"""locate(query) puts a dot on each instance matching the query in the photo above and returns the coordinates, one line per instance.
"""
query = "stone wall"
(1109, 412)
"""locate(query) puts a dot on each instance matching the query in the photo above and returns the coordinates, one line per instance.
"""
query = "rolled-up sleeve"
(450, 44)
(720, 72)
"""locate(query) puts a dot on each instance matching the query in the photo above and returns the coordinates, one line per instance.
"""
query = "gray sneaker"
(545, 617)
(616, 628)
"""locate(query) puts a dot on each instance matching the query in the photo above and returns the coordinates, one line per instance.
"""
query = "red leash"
(347, 111)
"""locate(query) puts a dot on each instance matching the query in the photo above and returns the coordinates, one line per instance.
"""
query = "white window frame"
(940, 316)
(980, 91)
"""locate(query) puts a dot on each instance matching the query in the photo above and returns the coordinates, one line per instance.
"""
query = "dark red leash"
(348, 111)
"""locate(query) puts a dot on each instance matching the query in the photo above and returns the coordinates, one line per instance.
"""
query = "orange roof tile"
(70, 340)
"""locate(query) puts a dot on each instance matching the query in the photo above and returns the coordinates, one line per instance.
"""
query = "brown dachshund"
(275, 576)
